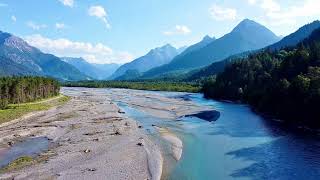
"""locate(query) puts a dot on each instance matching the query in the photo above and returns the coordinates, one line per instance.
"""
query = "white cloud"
(100, 13)
(178, 30)
(222, 13)
(252, 2)
(60, 26)
(13, 18)
(270, 5)
(36, 26)
(3, 5)
(288, 15)
(307, 9)
(94, 53)
(67, 2)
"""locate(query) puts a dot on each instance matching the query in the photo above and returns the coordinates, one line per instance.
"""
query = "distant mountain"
(19, 58)
(246, 36)
(288, 41)
(203, 43)
(182, 49)
(106, 70)
(129, 75)
(96, 71)
(154, 58)
(296, 37)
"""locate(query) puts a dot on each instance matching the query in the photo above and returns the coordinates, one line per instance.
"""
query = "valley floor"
(90, 137)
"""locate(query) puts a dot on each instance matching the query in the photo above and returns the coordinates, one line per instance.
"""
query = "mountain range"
(288, 41)
(96, 71)
(205, 58)
(246, 36)
(19, 58)
(154, 58)
(296, 37)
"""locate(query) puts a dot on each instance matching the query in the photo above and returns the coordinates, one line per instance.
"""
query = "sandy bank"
(176, 143)
(91, 141)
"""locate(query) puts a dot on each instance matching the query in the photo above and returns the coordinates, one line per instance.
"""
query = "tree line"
(14, 90)
(141, 85)
(284, 84)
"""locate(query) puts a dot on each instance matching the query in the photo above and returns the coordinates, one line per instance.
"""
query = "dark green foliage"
(141, 85)
(14, 90)
(284, 84)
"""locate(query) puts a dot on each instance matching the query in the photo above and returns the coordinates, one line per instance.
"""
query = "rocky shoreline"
(92, 141)
(93, 138)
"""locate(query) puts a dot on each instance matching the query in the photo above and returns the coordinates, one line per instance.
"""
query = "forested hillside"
(284, 84)
(15, 90)
(289, 41)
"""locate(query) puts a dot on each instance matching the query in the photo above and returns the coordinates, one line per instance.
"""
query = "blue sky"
(105, 31)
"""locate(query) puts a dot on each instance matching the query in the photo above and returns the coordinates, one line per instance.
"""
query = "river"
(239, 145)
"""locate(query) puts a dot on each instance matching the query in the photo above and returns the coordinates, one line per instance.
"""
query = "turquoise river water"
(239, 145)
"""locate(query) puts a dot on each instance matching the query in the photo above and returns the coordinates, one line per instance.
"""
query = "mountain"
(296, 37)
(155, 57)
(283, 84)
(19, 58)
(129, 75)
(96, 71)
(288, 41)
(10, 68)
(246, 36)
(182, 49)
(204, 42)
(106, 70)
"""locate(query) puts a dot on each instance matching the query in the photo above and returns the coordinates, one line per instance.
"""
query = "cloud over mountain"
(94, 53)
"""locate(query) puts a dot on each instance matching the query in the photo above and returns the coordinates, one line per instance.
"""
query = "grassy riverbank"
(140, 85)
(14, 111)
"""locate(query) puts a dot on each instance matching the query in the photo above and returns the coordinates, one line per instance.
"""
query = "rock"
(91, 169)
(96, 139)
(140, 144)
(139, 127)
(10, 143)
(87, 151)
(126, 124)
(121, 112)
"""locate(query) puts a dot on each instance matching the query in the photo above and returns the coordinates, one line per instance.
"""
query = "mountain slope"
(19, 58)
(283, 84)
(156, 57)
(106, 70)
(296, 37)
(204, 42)
(247, 35)
(96, 71)
(291, 40)
(10, 68)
